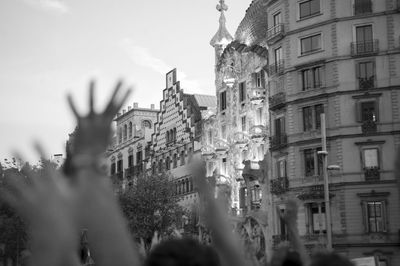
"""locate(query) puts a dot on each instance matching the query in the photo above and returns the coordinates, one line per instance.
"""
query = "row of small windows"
(184, 186)
(126, 131)
(169, 163)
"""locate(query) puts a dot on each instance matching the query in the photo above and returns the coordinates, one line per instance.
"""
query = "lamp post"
(324, 153)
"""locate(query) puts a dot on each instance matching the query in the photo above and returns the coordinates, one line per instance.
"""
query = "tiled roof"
(205, 100)
(253, 27)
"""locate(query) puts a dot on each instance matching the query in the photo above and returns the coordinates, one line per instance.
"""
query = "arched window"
(146, 124)
(191, 184)
(160, 166)
(167, 136)
(175, 160)
(153, 169)
(125, 131)
(168, 163)
(179, 187)
(120, 135)
(183, 186)
(130, 129)
(187, 185)
(174, 134)
(182, 158)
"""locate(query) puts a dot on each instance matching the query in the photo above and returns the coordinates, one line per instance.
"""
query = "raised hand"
(94, 130)
(44, 200)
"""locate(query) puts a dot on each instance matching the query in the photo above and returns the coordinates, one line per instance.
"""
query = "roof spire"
(222, 37)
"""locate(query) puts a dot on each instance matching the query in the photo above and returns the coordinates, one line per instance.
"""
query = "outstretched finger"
(72, 106)
(121, 102)
(91, 97)
(111, 103)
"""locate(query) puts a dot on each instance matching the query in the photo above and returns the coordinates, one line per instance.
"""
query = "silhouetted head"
(182, 252)
(330, 259)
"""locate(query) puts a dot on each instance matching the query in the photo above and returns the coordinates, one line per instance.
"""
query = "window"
(375, 216)
(175, 161)
(125, 132)
(362, 7)
(259, 80)
(223, 131)
(243, 123)
(242, 91)
(370, 156)
(279, 126)
(120, 135)
(316, 218)
(312, 162)
(168, 163)
(112, 168)
(242, 197)
(160, 166)
(307, 118)
(365, 73)
(311, 78)
(312, 117)
(309, 8)
(139, 157)
(190, 154)
(210, 137)
(278, 55)
(182, 158)
(222, 96)
(224, 166)
(130, 129)
(120, 166)
(259, 116)
(310, 44)
(364, 39)
(281, 168)
(130, 160)
(146, 124)
(368, 111)
(277, 18)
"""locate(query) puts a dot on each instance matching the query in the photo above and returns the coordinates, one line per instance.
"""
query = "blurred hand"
(94, 130)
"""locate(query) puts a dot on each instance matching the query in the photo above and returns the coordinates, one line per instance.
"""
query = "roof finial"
(221, 7)
(222, 37)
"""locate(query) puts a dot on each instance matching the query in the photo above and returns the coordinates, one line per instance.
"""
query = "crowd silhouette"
(57, 204)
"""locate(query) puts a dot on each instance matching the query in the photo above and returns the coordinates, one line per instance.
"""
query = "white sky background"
(51, 47)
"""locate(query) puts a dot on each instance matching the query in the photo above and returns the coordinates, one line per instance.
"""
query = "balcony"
(363, 7)
(279, 185)
(276, 68)
(278, 239)
(364, 48)
(278, 141)
(275, 33)
(369, 127)
(371, 173)
(277, 101)
(366, 83)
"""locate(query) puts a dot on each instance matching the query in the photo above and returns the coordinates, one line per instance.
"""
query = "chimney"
(123, 111)
(129, 108)
(118, 114)
(135, 105)
(152, 106)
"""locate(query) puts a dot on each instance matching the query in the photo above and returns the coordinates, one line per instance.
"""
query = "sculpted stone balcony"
(278, 142)
(277, 101)
(275, 33)
(279, 185)
(364, 47)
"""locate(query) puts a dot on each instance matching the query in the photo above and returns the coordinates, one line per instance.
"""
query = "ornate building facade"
(177, 136)
(340, 58)
(127, 154)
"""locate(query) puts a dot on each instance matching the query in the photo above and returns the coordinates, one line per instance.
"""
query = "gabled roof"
(205, 100)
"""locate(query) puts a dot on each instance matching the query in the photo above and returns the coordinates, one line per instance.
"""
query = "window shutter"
(278, 169)
(284, 169)
(357, 70)
(376, 106)
(263, 79)
(242, 198)
(364, 210)
(385, 221)
(358, 111)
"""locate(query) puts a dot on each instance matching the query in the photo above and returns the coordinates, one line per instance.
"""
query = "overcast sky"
(51, 47)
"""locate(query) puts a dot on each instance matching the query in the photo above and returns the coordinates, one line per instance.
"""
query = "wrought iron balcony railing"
(276, 68)
(364, 47)
(275, 33)
(366, 83)
(278, 141)
(369, 126)
(277, 101)
(371, 173)
(279, 185)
